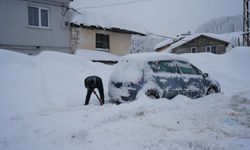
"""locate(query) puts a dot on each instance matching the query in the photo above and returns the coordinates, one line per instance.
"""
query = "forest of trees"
(222, 25)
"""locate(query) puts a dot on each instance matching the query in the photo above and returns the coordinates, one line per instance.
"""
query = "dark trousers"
(101, 93)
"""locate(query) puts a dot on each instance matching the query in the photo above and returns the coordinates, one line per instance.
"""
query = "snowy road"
(212, 122)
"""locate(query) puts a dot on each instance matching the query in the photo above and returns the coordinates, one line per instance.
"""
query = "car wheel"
(211, 90)
(153, 94)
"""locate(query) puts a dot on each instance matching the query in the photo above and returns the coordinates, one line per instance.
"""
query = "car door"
(167, 77)
(192, 81)
(201, 81)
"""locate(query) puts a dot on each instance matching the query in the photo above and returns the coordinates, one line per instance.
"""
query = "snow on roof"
(189, 38)
(163, 43)
(96, 55)
(106, 21)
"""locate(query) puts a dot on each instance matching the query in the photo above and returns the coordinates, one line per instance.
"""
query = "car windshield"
(196, 70)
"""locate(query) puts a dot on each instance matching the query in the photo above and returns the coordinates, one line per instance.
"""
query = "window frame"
(153, 66)
(214, 49)
(39, 17)
(102, 42)
(196, 49)
(211, 49)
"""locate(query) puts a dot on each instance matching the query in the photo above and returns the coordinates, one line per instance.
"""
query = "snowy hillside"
(222, 25)
(42, 107)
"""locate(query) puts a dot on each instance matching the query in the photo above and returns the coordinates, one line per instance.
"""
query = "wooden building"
(198, 43)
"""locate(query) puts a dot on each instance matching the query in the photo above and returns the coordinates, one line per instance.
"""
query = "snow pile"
(48, 80)
(229, 69)
(96, 55)
(144, 43)
(41, 107)
(235, 38)
(105, 21)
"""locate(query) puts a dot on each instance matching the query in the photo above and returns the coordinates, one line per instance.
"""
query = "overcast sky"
(168, 17)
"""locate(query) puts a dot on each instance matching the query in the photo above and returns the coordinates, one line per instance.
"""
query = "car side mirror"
(205, 75)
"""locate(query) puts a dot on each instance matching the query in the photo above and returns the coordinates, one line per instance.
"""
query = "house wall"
(120, 43)
(201, 44)
(15, 33)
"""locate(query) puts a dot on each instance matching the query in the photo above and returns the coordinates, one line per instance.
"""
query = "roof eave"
(113, 29)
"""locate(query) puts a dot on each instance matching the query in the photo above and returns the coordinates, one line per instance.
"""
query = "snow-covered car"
(158, 75)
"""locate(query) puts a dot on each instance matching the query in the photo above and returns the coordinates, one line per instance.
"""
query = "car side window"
(196, 70)
(153, 66)
(167, 66)
(184, 67)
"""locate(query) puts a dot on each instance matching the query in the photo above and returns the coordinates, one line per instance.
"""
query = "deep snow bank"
(48, 80)
(230, 69)
(41, 108)
(97, 55)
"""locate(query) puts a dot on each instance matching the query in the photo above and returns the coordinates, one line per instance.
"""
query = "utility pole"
(246, 33)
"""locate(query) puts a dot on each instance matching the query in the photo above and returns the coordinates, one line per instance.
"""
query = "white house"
(98, 31)
(30, 26)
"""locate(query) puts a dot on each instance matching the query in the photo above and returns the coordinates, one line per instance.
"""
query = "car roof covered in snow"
(153, 56)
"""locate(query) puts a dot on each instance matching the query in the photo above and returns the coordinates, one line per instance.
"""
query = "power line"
(114, 4)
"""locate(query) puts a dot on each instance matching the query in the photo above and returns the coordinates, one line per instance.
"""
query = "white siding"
(14, 30)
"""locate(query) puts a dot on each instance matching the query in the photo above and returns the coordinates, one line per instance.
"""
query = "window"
(208, 49)
(167, 66)
(193, 49)
(211, 49)
(38, 17)
(153, 66)
(163, 66)
(184, 67)
(102, 41)
(44, 17)
(196, 70)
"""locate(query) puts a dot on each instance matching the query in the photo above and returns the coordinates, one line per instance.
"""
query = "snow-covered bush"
(144, 43)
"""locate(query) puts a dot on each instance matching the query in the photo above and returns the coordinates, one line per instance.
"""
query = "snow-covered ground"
(41, 107)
